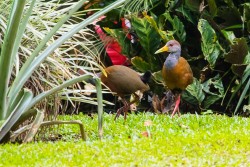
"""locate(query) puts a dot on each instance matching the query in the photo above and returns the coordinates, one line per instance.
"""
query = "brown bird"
(176, 71)
(125, 81)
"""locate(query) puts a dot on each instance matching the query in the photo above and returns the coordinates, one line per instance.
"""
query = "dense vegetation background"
(215, 40)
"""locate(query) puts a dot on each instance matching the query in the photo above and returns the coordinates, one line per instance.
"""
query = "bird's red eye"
(170, 44)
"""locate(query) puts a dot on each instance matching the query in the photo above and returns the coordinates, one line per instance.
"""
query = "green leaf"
(229, 35)
(193, 5)
(212, 8)
(164, 35)
(149, 40)
(148, 36)
(158, 76)
(187, 14)
(7, 52)
(214, 89)
(178, 27)
(209, 100)
(17, 113)
(238, 51)
(237, 55)
(216, 82)
(140, 64)
(65, 84)
(194, 93)
(210, 46)
(230, 15)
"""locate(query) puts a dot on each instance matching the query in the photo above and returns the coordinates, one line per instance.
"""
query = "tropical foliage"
(215, 40)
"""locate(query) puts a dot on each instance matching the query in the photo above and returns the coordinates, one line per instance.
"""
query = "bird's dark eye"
(170, 44)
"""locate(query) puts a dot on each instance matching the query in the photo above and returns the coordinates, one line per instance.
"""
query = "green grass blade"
(7, 52)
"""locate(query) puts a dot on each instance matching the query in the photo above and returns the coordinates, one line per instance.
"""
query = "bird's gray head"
(172, 46)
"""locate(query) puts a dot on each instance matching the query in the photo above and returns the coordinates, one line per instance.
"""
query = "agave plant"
(25, 51)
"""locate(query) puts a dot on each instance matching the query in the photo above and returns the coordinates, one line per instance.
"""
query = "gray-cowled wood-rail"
(124, 81)
(176, 72)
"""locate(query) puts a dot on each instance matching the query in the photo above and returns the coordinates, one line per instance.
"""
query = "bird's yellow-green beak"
(163, 49)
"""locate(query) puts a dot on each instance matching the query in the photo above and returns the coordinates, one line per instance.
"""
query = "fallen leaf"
(148, 123)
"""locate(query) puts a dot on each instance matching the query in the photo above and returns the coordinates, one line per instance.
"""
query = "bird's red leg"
(126, 106)
(176, 107)
(124, 109)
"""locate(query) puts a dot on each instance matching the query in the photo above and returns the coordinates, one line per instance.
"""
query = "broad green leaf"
(193, 5)
(194, 93)
(210, 46)
(238, 51)
(229, 35)
(237, 55)
(214, 89)
(140, 64)
(216, 82)
(230, 15)
(148, 36)
(158, 76)
(149, 40)
(178, 27)
(164, 35)
(212, 8)
(187, 14)
(209, 100)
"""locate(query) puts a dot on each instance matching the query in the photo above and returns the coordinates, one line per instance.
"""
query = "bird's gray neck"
(172, 59)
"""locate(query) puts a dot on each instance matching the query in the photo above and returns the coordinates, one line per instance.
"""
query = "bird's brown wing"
(123, 80)
(178, 77)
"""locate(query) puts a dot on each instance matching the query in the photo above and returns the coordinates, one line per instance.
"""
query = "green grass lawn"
(189, 140)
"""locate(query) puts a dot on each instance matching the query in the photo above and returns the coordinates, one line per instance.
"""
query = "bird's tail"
(146, 77)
